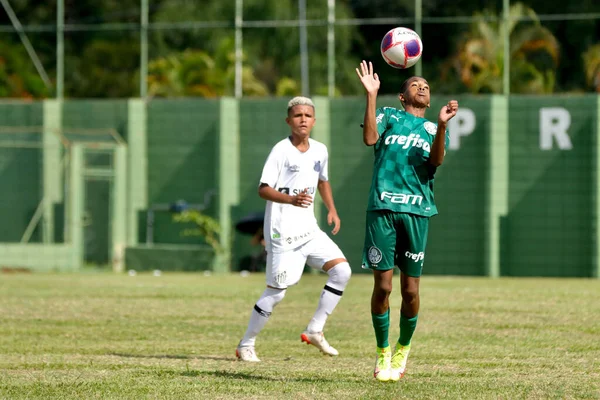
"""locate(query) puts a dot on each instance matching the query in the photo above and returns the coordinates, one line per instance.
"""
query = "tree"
(18, 76)
(272, 54)
(196, 73)
(591, 59)
(534, 54)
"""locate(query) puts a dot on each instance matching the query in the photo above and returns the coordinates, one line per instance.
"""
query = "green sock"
(381, 323)
(407, 328)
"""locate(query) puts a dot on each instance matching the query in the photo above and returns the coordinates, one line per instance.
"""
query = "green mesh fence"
(548, 231)
(183, 136)
(262, 124)
(21, 169)
(549, 228)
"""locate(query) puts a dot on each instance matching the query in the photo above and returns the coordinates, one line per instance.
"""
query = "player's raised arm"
(438, 150)
(370, 81)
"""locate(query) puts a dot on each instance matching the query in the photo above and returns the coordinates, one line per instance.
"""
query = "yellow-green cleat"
(398, 363)
(383, 361)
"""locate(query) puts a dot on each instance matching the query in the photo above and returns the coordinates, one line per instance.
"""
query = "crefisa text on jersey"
(411, 140)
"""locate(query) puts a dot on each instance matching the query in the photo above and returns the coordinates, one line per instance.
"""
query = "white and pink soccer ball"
(401, 47)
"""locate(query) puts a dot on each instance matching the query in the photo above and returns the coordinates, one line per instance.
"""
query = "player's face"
(301, 119)
(416, 93)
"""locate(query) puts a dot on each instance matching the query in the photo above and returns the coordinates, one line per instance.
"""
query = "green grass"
(86, 336)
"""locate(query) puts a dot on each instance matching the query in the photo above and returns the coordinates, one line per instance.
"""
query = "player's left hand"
(332, 218)
(448, 111)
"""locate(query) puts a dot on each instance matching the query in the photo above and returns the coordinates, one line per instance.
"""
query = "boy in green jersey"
(408, 149)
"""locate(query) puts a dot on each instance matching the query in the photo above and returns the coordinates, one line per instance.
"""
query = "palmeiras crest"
(374, 255)
(430, 127)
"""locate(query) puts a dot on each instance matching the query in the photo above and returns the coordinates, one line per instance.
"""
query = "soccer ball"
(401, 48)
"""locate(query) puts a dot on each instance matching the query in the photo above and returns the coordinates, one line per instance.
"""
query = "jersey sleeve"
(272, 168)
(381, 117)
(447, 143)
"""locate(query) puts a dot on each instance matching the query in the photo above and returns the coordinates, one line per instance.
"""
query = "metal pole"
(331, 48)
(303, 48)
(506, 39)
(144, 50)
(239, 52)
(60, 48)
(418, 20)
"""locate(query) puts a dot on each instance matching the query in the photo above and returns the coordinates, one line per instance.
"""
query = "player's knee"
(270, 298)
(382, 289)
(340, 274)
(410, 293)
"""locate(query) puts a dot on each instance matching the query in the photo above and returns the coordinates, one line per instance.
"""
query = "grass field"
(99, 336)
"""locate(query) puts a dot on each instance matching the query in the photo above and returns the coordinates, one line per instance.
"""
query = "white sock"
(261, 313)
(331, 295)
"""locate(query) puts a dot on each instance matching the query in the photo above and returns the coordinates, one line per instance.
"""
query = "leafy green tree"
(272, 54)
(18, 76)
(591, 59)
(196, 73)
(534, 53)
(105, 69)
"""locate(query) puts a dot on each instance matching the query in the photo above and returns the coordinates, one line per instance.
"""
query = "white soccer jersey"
(290, 171)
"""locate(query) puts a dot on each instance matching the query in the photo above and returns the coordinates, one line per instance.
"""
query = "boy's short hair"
(300, 101)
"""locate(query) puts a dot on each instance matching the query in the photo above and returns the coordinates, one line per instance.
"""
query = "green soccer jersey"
(402, 176)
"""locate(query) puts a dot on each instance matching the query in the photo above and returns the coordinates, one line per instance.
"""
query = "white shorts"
(285, 269)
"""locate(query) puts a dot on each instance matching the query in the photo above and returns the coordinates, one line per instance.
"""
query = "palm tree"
(534, 54)
(591, 60)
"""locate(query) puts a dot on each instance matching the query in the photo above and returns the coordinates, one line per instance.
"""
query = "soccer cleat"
(318, 340)
(383, 364)
(399, 360)
(246, 353)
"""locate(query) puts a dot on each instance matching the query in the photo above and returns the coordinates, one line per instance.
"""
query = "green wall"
(549, 228)
(538, 214)
(21, 176)
(182, 159)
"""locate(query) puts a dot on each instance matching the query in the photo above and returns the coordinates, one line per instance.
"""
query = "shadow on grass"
(246, 376)
(172, 356)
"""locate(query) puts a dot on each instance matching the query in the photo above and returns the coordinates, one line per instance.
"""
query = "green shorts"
(394, 238)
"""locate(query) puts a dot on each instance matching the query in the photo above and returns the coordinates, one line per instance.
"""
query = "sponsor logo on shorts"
(415, 257)
(374, 255)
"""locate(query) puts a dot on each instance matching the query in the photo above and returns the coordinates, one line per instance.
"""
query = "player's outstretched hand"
(333, 218)
(369, 79)
(448, 111)
(302, 200)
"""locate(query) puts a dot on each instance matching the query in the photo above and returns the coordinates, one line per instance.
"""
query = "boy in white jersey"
(296, 168)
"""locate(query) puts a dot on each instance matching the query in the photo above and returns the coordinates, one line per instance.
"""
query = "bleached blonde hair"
(300, 101)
